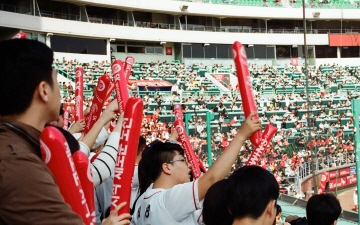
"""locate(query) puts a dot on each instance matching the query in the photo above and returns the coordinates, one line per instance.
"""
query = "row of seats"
(339, 4)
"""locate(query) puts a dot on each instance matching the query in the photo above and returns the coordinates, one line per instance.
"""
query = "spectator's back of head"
(248, 194)
(24, 65)
(215, 209)
(323, 209)
(251, 189)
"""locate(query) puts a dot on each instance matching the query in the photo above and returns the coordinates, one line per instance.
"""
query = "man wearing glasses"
(172, 198)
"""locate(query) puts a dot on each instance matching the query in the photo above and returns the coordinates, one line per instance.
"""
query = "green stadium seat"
(169, 118)
(299, 89)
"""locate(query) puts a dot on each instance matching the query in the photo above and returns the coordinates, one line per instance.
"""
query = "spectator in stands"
(323, 209)
(233, 199)
(355, 199)
(164, 163)
(23, 116)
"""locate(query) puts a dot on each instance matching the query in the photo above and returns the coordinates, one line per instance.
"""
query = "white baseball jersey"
(135, 187)
(177, 205)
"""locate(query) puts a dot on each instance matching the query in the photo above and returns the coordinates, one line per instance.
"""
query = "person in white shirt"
(172, 198)
(355, 199)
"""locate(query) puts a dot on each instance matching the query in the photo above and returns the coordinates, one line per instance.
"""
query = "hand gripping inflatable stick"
(247, 95)
(84, 171)
(256, 154)
(79, 94)
(185, 143)
(98, 102)
(120, 81)
(125, 162)
(56, 154)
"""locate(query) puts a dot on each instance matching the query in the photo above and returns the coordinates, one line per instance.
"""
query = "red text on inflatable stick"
(20, 35)
(56, 154)
(246, 91)
(129, 62)
(189, 152)
(178, 112)
(201, 165)
(66, 120)
(256, 154)
(110, 90)
(323, 179)
(83, 169)
(79, 94)
(125, 161)
(98, 102)
(120, 81)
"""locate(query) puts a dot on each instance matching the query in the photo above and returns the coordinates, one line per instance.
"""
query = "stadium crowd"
(248, 196)
(330, 123)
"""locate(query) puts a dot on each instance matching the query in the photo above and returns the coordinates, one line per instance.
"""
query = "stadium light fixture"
(162, 42)
(112, 39)
(206, 44)
(184, 7)
(316, 14)
(250, 46)
(294, 46)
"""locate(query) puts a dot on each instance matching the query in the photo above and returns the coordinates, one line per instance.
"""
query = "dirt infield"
(346, 200)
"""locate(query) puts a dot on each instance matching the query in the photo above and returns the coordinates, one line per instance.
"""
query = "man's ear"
(270, 210)
(44, 91)
(166, 169)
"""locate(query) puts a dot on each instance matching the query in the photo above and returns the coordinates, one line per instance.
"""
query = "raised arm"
(107, 115)
(223, 164)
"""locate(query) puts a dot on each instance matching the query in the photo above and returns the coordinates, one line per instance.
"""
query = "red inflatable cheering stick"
(111, 89)
(125, 162)
(324, 178)
(178, 113)
(56, 154)
(129, 62)
(20, 35)
(256, 154)
(66, 120)
(98, 102)
(79, 94)
(246, 91)
(84, 171)
(122, 94)
(201, 165)
(185, 143)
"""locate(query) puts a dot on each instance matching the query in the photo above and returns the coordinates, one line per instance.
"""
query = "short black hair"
(24, 64)
(250, 190)
(141, 145)
(215, 210)
(157, 153)
(278, 210)
(299, 221)
(61, 109)
(323, 209)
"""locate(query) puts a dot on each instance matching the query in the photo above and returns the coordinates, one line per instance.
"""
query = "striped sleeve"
(104, 165)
